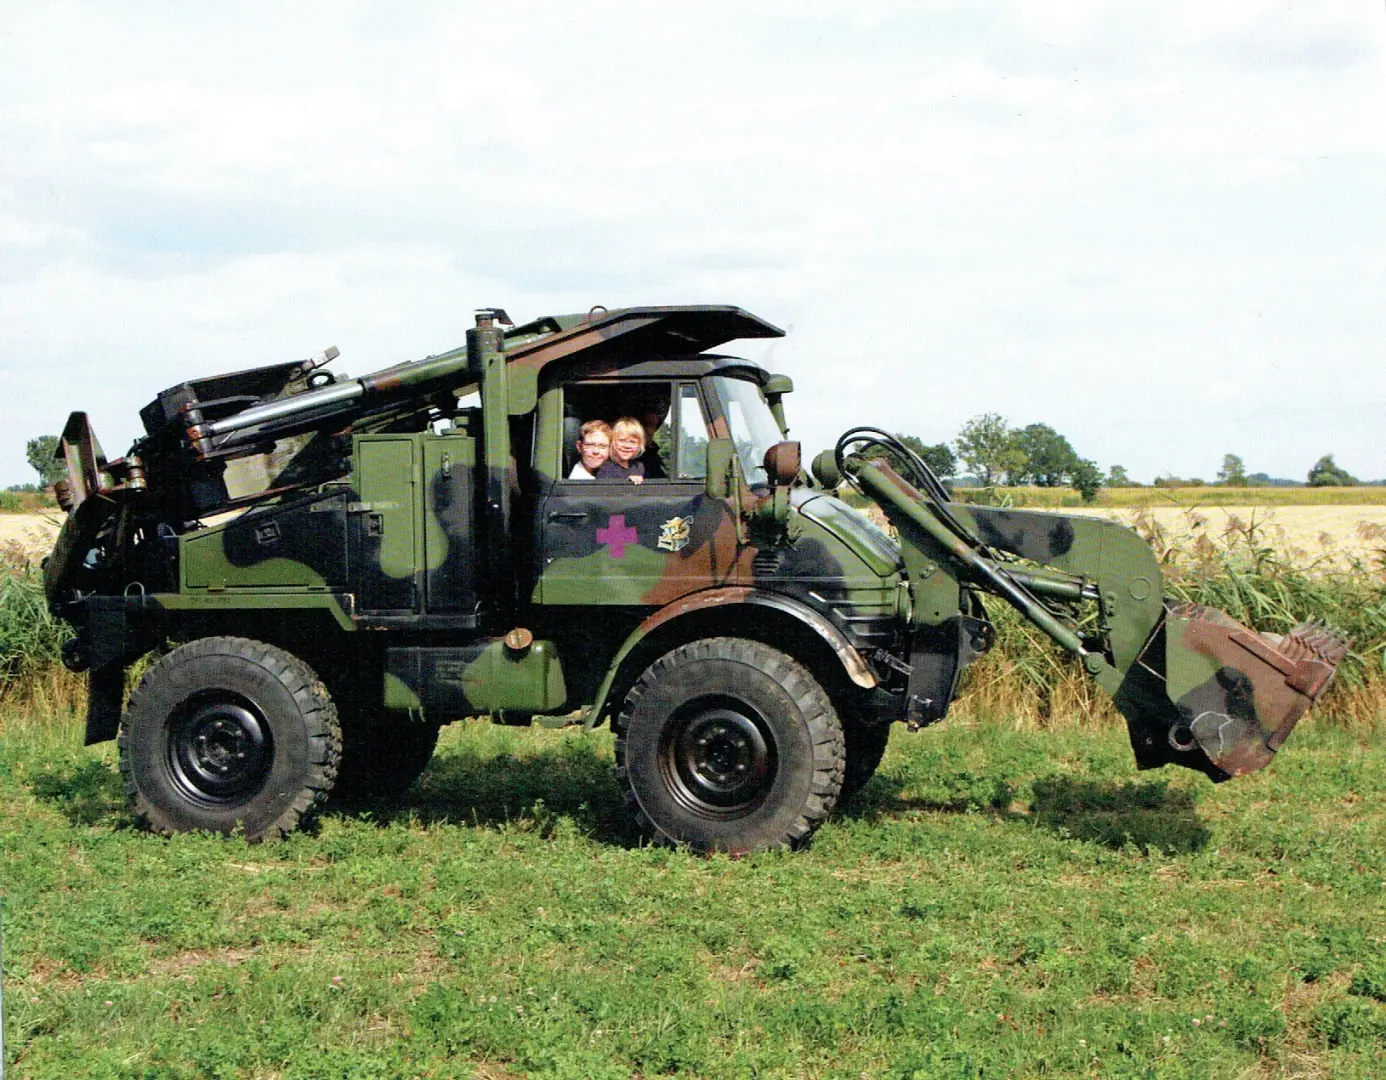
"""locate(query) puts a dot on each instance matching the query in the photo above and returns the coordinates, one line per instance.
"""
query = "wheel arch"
(755, 614)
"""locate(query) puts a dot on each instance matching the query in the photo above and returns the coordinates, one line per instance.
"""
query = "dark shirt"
(654, 468)
(611, 470)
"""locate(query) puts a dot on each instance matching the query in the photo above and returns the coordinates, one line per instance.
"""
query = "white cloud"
(1086, 215)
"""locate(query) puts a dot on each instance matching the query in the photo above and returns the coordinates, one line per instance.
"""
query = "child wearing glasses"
(594, 444)
(627, 444)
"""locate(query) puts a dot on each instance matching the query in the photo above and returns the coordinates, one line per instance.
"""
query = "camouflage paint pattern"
(1240, 693)
(487, 677)
(359, 512)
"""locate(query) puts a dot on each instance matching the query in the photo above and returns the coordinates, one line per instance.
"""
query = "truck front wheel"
(225, 733)
(866, 745)
(729, 745)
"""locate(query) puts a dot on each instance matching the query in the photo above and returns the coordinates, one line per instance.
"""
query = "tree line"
(992, 451)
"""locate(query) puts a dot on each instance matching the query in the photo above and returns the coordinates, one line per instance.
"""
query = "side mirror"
(720, 455)
(774, 390)
(771, 517)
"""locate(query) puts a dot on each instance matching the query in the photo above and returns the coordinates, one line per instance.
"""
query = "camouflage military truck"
(332, 568)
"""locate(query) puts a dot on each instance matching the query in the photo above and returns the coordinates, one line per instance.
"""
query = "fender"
(852, 662)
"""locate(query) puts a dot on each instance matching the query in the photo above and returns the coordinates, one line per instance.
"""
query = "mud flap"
(105, 701)
(1212, 695)
(114, 634)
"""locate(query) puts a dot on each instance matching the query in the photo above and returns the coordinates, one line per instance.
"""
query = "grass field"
(1007, 898)
(994, 904)
(1204, 495)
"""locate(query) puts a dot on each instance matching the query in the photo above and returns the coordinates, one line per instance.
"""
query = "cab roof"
(617, 335)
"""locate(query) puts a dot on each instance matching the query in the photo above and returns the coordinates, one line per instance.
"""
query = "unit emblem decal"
(673, 534)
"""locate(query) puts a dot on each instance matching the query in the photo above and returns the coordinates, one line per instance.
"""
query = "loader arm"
(1196, 687)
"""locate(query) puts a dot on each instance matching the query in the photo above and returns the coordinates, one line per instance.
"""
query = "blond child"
(627, 444)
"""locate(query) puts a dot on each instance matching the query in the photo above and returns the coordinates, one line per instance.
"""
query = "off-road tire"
(223, 734)
(729, 745)
(380, 761)
(866, 745)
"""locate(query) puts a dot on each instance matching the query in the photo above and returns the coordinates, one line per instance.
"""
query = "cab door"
(618, 543)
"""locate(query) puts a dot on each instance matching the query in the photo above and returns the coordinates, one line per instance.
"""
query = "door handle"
(568, 515)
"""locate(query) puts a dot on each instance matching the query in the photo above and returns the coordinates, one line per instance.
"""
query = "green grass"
(995, 904)
(30, 637)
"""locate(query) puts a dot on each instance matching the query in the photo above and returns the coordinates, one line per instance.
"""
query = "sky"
(1160, 229)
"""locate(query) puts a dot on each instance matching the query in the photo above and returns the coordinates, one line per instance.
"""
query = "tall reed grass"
(30, 637)
(1251, 573)
(1201, 495)
(34, 686)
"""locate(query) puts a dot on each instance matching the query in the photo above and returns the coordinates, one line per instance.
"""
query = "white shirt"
(580, 473)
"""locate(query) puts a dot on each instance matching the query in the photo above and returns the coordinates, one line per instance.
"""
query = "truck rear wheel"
(729, 745)
(226, 733)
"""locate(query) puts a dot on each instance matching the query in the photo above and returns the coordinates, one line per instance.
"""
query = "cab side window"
(691, 454)
(671, 414)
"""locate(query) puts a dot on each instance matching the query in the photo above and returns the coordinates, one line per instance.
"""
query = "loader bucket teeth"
(1238, 694)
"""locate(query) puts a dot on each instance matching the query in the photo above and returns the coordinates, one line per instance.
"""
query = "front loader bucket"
(1213, 695)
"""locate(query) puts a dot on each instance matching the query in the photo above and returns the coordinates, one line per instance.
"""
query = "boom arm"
(1197, 688)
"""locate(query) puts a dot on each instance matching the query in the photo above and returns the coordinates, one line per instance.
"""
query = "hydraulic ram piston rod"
(885, 483)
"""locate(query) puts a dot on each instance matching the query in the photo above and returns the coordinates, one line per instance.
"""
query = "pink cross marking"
(617, 534)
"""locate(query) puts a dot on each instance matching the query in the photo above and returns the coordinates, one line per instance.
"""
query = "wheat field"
(1334, 533)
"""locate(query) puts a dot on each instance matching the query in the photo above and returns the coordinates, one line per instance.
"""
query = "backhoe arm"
(1196, 687)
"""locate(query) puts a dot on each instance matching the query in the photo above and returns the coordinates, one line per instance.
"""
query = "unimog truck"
(329, 569)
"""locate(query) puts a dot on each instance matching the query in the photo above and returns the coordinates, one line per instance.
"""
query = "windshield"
(750, 423)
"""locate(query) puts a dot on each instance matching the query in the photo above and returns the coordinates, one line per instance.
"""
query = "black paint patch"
(1038, 537)
(1061, 537)
(312, 532)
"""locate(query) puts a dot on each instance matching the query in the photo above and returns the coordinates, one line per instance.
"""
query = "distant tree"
(1087, 478)
(39, 452)
(1327, 473)
(1233, 472)
(1116, 477)
(939, 457)
(1049, 458)
(987, 446)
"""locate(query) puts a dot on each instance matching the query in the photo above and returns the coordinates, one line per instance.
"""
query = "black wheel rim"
(718, 757)
(220, 750)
